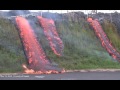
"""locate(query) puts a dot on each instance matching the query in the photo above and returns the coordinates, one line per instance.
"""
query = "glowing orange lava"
(38, 62)
(52, 35)
(103, 38)
(31, 71)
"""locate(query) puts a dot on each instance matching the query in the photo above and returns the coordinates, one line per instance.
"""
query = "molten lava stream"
(38, 63)
(103, 38)
(50, 32)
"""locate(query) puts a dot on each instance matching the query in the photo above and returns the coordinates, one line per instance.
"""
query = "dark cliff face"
(111, 17)
(18, 12)
(14, 13)
(76, 16)
(116, 21)
(44, 14)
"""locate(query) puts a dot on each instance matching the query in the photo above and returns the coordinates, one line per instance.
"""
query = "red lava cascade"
(36, 57)
(50, 32)
(104, 39)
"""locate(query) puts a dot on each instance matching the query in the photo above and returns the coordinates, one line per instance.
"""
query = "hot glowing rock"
(103, 38)
(50, 32)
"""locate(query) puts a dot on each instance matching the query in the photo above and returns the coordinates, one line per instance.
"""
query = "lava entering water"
(103, 38)
(38, 63)
(50, 32)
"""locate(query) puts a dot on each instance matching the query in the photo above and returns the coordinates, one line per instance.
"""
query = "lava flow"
(103, 38)
(50, 32)
(31, 71)
(38, 62)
